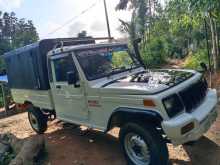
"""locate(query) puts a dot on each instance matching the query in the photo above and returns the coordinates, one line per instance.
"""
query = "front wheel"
(143, 145)
(37, 120)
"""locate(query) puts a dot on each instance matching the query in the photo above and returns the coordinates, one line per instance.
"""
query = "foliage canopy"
(175, 29)
(15, 32)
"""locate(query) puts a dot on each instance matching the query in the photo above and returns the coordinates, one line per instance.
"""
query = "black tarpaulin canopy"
(27, 66)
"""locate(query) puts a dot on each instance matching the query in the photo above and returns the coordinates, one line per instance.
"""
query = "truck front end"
(191, 111)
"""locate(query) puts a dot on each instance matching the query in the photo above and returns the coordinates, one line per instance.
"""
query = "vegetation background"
(15, 33)
(170, 29)
(183, 29)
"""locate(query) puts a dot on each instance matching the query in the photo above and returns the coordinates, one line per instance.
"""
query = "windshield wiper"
(115, 70)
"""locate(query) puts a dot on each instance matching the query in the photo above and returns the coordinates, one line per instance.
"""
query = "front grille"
(194, 95)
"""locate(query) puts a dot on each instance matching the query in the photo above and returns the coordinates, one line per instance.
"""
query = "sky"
(48, 15)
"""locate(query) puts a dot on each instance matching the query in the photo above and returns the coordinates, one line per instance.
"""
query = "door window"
(62, 66)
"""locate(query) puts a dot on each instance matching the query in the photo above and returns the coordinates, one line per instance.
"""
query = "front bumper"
(202, 117)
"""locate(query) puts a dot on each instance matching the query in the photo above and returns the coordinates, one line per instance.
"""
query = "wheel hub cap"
(137, 149)
(33, 121)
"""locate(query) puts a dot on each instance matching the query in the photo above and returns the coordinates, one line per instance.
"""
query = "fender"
(125, 113)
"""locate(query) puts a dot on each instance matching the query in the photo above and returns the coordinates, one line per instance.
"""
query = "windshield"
(106, 61)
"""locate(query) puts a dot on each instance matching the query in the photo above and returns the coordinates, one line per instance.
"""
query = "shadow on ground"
(11, 112)
(72, 145)
(203, 152)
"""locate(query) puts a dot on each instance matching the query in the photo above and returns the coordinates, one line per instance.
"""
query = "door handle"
(58, 86)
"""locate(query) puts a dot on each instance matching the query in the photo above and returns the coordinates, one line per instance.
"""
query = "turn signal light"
(149, 103)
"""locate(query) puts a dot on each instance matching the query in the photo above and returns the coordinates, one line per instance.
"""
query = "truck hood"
(153, 81)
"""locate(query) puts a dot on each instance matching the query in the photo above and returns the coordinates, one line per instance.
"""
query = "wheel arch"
(124, 114)
(51, 114)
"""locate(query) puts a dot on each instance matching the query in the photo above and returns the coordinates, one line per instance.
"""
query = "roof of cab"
(84, 46)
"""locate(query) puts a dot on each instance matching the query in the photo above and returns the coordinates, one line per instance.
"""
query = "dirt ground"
(70, 145)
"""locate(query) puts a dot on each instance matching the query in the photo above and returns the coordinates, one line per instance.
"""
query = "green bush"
(193, 61)
(153, 52)
(120, 59)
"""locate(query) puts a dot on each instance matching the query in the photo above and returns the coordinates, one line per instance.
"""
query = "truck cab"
(81, 76)
(103, 86)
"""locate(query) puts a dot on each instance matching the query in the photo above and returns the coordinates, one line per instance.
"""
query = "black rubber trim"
(151, 114)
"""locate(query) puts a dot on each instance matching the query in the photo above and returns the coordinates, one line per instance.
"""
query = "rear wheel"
(143, 145)
(37, 120)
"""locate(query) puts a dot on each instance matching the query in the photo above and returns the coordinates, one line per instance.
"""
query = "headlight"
(173, 105)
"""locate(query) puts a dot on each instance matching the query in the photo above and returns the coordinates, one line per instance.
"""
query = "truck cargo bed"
(40, 98)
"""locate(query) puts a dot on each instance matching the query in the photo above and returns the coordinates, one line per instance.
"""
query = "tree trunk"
(217, 42)
(214, 45)
(150, 19)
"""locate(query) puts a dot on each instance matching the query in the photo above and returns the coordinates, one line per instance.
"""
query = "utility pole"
(107, 20)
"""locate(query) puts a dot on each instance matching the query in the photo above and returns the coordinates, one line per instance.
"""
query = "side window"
(62, 66)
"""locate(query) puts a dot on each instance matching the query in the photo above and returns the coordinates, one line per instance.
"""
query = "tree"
(176, 29)
(203, 10)
(145, 15)
(24, 34)
(15, 32)
(144, 11)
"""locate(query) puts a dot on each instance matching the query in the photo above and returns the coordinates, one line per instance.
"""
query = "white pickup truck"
(103, 86)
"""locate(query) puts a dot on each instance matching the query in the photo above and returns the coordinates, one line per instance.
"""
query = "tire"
(37, 119)
(148, 146)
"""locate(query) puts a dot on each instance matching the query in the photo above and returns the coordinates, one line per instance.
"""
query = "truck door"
(69, 100)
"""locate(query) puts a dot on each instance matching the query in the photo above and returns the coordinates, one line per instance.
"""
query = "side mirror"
(72, 78)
